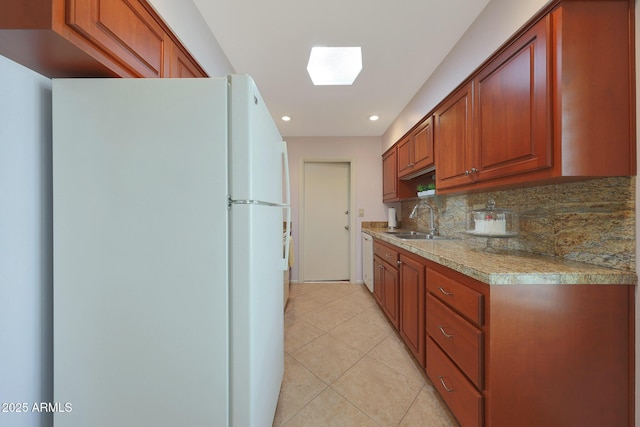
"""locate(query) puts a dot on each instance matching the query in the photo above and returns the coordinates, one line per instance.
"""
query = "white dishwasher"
(367, 260)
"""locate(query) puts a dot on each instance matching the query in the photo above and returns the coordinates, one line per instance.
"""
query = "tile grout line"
(370, 305)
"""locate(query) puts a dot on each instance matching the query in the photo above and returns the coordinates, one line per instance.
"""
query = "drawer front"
(459, 339)
(461, 298)
(466, 403)
(386, 253)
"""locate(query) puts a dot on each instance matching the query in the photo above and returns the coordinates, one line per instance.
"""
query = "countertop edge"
(507, 267)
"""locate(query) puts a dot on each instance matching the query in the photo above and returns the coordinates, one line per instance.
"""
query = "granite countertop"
(506, 267)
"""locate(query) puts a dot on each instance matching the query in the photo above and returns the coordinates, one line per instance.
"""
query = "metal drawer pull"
(441, 378)
(387, 255)
(445, 292)
(444, 333)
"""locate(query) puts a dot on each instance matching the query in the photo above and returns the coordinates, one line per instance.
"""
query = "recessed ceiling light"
(286, 118)
(373, 118)
(334, 65)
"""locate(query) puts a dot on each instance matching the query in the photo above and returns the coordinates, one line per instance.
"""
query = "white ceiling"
(403, 42)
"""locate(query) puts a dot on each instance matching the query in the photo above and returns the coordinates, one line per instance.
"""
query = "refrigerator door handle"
(287, 201)
(254, 202)
(285, 165)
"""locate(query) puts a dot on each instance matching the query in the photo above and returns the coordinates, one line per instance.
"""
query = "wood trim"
(175, 39)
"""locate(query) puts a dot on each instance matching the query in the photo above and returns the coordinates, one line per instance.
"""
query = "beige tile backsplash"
(589, 221)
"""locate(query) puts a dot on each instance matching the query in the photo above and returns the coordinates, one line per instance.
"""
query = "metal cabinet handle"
(441, 378)
(474, 170)
(445, 292)
(444, 333)
(467, 173)
(399, 263)
(387, 255)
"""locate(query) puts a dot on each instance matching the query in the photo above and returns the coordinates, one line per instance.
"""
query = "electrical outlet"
(360, 213)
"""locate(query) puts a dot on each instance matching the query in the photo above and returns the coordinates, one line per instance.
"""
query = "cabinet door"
(390, 175)
(123, 29)
(182, 65)
(415, 152)
(378, 280)
(512, 107)
(423, 155)
(453, 139)
(405, 157)
(391, 293)
(412, 306)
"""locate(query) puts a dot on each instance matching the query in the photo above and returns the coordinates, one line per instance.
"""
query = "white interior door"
(326, 221)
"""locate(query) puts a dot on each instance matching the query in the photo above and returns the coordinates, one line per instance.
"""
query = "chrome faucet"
(414, 213)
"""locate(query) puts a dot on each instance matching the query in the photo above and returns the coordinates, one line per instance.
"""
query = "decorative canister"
(493, 222)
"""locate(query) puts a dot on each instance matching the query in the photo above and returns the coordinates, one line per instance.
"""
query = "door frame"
(352, 216)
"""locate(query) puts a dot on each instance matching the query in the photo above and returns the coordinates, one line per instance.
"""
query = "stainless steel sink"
(415, 235)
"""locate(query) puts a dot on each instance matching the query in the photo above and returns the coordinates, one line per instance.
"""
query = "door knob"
(346, 212)
(346, 227)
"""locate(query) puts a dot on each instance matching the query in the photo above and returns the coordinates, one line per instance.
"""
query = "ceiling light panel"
(334, 65)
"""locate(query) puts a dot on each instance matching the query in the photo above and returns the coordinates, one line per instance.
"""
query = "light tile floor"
(346, 366)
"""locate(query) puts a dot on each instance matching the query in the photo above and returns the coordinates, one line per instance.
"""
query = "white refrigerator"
(169, 201)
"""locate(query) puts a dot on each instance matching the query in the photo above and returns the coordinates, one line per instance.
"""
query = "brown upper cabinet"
(415, 151)
(508, 101)
(393, 187)
(125, 29)
(390, 175)
(92, 38)
(594, 88)
(556, 102)
(511, 106)
(182, 64)
(453, 136)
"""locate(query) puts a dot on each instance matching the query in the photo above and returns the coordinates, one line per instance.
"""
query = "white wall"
(364, 154)
(26, 341)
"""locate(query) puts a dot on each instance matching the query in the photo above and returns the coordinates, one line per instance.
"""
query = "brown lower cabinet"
(386, 278)
(399, 289)
(530, 355)
(514, 355)
(412, 305)
(464, 400)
